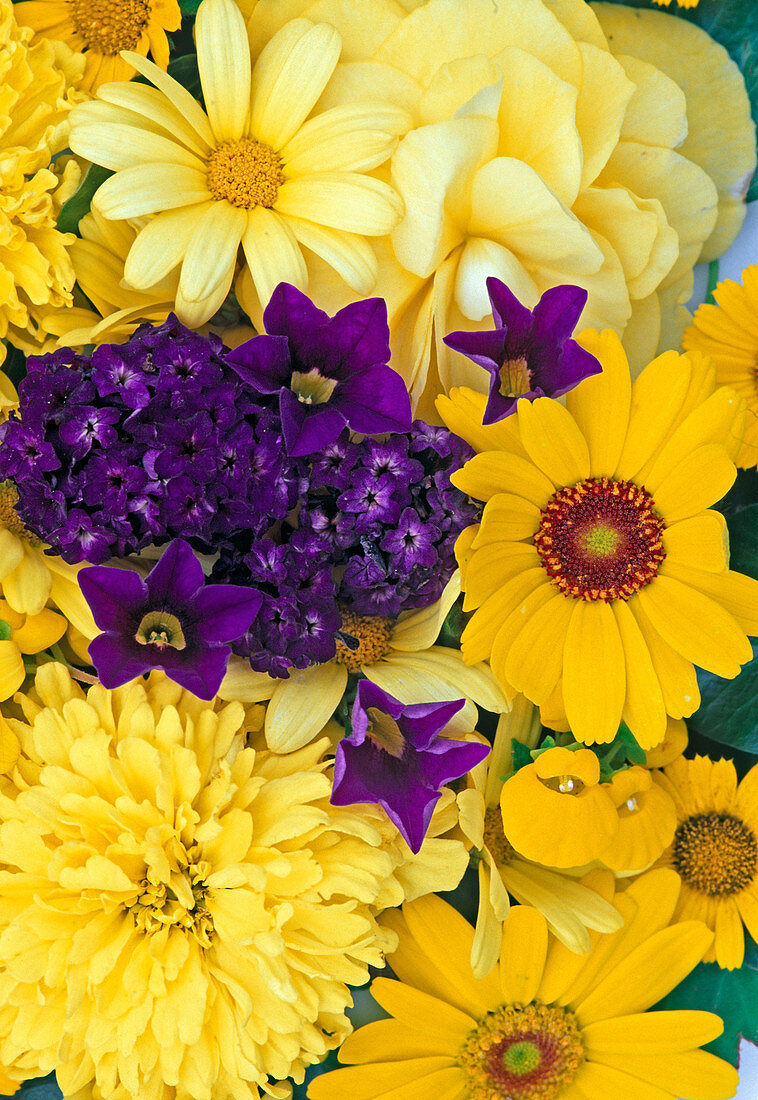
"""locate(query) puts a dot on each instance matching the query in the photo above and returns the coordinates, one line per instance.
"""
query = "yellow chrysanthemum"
(38, 87)
(599, 573)
(100, 29)
(715, 850)
(549, 1025)
(728, 332)
(399, 655)
(569, 907)
(255, 170)
(191, 910)
(541, 152)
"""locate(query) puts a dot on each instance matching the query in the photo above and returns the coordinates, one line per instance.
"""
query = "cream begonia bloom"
(255, 170)
(570, 907)
(539, 157)
(399, 656)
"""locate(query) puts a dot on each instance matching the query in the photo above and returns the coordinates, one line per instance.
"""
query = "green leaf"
(78, 205)
(15, 364)
(5, 631)
(731, 994)
(743, 541)
(189, 7)
(520, 755)
(185, 70)
(727, 711)
(742, 494)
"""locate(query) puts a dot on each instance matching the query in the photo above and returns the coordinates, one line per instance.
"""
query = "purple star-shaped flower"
(529, 353)
(395, 756)
(171, 620)
(327, 371)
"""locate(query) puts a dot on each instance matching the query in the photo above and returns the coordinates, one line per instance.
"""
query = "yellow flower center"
(162, 629)
(110, 25)
(515, 378)
(529, 1053)
(495, 839)
(372, 633)
(9, 517)
(600, 539)
(716, 854)
(246, 173)
(180, 902)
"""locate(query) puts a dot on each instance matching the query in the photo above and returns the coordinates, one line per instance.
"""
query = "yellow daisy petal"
(553, 441)
(644, 710)
(654, 1032)
(301, 705)
(699, 480)
(149, 188)
(500, 472)
(522, 957)
(272, 253)
(223, 60)
(594, 678)
(701, 542)
(206, 271)
(342, 200)
(600, 404)
(535, 657)
(160, 245)
(348, 254)
(12, 671)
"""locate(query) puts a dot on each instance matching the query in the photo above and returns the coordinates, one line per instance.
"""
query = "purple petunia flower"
(327, 371)
(529, 353)
(396, 757)
(171, 620)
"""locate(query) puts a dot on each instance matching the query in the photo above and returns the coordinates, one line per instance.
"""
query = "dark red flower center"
(600, 539)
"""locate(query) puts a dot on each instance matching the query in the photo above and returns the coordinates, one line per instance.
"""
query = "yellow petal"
(499, 472)
(657, 397)
(701, 542)
(596, 1080)
(352, 138)
(223, 60)
(11, 555)
(420, 629)
(28, 586)
(487, 936)
(484, 624)
(480, 260)
(604, 97)
(553, 441)
(653, 1032)
(697, 1073)
(644, 711)
(211, 251)
(698, 481)
(522, 958)
(379, 1079)
(302, 704)
(243, 683)
(735, 592)
(462, 411)
(186, 104)
(161, 244)
(272, 253)
(507, 518)
(535, 657)
(156, 109)
(40, 631)
(150, 188)
(681, 695)
(594, 678)
(342, 200)
(491, 567)
(116, 146)
(386, 1040)
(415, 1008)
(600, 404)
(12, 671)
(350, 255)
(713, 421)
(473, 682)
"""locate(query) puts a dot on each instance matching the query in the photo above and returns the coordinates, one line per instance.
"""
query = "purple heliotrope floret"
(327, 371)
(528, 353)
(171, 620)
(396, 757)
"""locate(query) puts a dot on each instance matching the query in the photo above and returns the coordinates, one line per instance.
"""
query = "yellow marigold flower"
(569, 907)
(38, 87)
(599, 574)
(399, 655)
(196, 911)
(548, 1024)
(715, 850)
(100, 29)
(255, 170)
(728, 332)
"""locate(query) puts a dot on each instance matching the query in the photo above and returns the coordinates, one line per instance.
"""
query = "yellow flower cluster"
(38, 89)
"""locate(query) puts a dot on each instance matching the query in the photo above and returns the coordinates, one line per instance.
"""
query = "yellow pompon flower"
(599, 572)
(255, 170)
(101, 29)
(178, 906)
(715, 850)
(547, 1024)
(570, 907)
(399, 655)
(728, 332)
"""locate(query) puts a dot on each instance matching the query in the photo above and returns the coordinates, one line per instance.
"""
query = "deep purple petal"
(507, 310)
(486, 348)
(175, 577)
(368, 695)
(263, 362)
(224, 612)
(560, 374)
(291, 313)
(374, 401)
(422, 722)
(555, 315)
(118, 659)
(200, 670)
(359, 337)
(117, 597)
(307, 428)
(448, 760)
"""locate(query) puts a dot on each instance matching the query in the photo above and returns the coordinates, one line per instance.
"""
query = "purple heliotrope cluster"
(395, 756)
(171, 620)
(529, 353)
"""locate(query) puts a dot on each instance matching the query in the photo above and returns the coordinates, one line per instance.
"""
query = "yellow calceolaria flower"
(399, 655)
(547, 1024)
(728, 332)
(569, 906)
(552, 142)
(599, 573)
(180, 908)
(100, 29)
(38, 85)
(715, 850)
(255, 170)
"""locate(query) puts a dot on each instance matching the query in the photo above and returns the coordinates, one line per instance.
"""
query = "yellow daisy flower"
(254, 170)
(728, 332)
(198, 909)
(398, 655)
(549, 1024)
(715, 850)
(599, 574)
(569, 907)
(101, 29)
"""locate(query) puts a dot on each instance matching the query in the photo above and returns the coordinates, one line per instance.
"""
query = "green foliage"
(616, 756)
(731, 994)
(452, 628)
(743, 540)
(185, 70)
(5, 631)
(15, 364)
(78, 205)
(728, 713)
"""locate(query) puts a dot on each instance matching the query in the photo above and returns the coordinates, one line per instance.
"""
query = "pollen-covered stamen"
(246, 173)
(372, 632)
(162, 629)
(494, 838)
(311, 387)
(522, 1053)
(600, 539)
(515, 377)
(716, 854)
(9, 517)
(110, 25)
